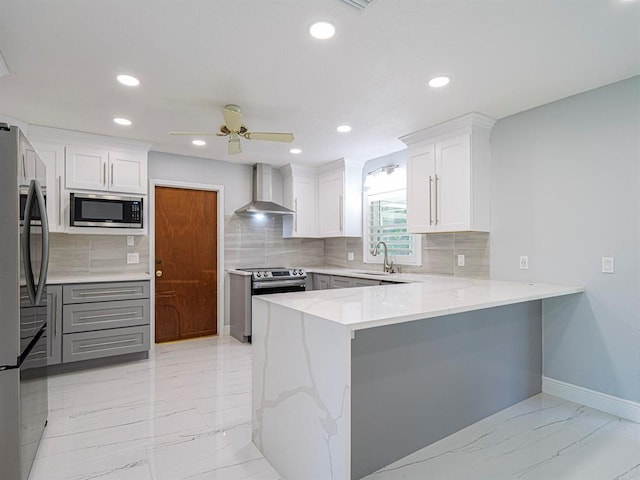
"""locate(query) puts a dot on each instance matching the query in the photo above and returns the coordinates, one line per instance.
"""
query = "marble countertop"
(429, 296)
(53, 279)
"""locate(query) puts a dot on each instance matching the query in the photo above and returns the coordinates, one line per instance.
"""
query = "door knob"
(158, 273)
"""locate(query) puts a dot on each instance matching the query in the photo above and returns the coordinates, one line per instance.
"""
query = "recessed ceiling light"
(295, 151)
(128, 80)
(122, 121)
(322, 30)
(439, 82)
(344, 128)
(199, 143)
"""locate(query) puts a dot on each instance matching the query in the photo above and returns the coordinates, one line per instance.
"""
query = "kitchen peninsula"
(348, 381)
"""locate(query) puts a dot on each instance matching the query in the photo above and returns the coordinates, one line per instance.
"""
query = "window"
(386, 220)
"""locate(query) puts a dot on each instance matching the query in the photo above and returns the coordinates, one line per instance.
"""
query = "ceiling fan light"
(322, 30)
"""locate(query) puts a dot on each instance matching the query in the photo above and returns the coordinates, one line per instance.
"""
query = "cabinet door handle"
(54, 309)
(59, 200)
(104, 174)
(295, 207)
(112, 174)
(341, 213)
(430, 201)
(436, 203)
(24, 167)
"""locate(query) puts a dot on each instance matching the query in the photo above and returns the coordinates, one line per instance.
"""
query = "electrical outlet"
(350, 256)
(133, 258)
(608, 265)
(524, 262)
(130, 242)
(461, 260)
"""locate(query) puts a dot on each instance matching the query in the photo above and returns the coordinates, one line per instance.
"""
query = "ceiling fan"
(234, 129)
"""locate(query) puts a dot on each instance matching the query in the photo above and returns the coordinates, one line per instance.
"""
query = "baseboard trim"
(600, 401)
(226, 331)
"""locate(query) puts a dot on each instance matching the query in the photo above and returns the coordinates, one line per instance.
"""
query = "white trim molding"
(156, 182)
(591, 398)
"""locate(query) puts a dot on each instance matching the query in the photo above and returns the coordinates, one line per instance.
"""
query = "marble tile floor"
(185, 414)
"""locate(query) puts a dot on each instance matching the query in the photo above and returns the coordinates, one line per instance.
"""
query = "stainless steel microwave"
(110, 211)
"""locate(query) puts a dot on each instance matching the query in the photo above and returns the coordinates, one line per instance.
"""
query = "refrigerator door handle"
(44, 259)
(26, 244)
(35, 292)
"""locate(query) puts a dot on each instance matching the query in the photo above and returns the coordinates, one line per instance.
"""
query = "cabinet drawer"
(104, 343)
(83, 317)
(365, 282)
(341, 282)
(103, 292)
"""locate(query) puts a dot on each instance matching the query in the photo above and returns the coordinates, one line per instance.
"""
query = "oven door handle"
(277, 283)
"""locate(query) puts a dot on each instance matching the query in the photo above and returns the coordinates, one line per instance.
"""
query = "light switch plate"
(130, 242)
(608, 265)
(524, 262)
(133, 257)
(461, 260)
(350, 256)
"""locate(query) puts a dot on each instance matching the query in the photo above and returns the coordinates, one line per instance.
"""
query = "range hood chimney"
(261, 202)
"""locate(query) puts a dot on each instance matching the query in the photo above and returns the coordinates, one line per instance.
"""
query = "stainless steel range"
(245, 282)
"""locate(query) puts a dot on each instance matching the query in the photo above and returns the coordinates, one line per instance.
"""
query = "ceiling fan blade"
(192, 133)
(234, 146)
(270, 137)
(232, 117)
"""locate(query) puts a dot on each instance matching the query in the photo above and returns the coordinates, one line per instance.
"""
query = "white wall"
(566, 183)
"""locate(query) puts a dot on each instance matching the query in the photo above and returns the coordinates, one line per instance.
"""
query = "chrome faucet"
(388, 266)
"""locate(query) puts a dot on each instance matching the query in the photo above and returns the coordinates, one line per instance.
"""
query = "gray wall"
(235, 177)
(566, 183)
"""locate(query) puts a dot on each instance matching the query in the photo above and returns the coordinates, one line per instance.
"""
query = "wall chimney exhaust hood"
(261, 202)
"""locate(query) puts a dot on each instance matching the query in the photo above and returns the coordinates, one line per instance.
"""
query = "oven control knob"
(295, 272)
(258, 274)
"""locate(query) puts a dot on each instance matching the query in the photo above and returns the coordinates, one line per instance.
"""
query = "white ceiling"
(195, 56)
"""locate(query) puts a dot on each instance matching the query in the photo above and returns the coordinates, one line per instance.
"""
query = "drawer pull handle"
(104, 345)
(108, 315)
(107, 292)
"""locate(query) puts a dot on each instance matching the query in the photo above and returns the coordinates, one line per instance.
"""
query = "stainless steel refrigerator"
(24, 258)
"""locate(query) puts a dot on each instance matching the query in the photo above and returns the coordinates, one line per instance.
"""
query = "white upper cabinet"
(86, 168)
(340, 199)
(52, 155)
(89, 168)
(331, 203)
(300, 188)
(128, 172)
(28, 168)
(327, 200)
(448, 176)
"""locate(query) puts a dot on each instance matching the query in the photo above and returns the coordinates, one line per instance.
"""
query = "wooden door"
(186, 227)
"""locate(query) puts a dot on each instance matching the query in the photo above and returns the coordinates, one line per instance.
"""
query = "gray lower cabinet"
(82, 317)
(365, 282)
(104, 319)
(341, 282)
(322, 281)
(104, 343)
(54, 324)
